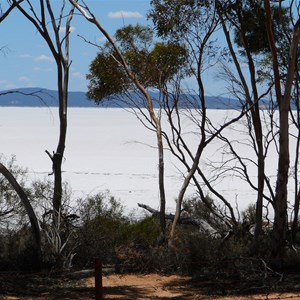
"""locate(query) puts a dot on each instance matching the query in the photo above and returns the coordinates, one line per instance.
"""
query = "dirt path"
(130, 287)
(154, 286)
(151, 286)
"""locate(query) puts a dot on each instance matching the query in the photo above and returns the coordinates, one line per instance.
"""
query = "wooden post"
(98, 280)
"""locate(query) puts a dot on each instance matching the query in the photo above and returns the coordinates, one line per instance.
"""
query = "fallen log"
(187, 220)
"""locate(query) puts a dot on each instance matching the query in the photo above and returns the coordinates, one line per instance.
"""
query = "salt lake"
(109, 149)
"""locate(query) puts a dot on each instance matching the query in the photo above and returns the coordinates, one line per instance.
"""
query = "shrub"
(101, 229)
(16, 251)
(59, 239)
(12, 212)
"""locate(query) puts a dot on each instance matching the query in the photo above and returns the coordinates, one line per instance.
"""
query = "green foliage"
(178, 18)
(101, 229)
(106, 77)
(12, 213)
(16, 251)
(59, 239)
(152, 63)
(107, 234)
(292, 260)
(143, 233)
(203, 210)
(101, 204)
(41, 195)
(134, 37)
(168, 60)
(97, 227)
(192, 23)
(249, 18)
(248, 215)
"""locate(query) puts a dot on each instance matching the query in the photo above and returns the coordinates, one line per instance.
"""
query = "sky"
(26, 60)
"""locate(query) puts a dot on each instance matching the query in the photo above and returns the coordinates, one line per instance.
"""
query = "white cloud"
(10, 86)
(41, 57)
(63, 29)
(78, 75)
(44, 57)
(124, 14)
(24, 79)
(102, 39)
(38, 69)
(26, 56)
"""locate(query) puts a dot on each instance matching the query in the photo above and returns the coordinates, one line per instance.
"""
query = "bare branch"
(8, 11)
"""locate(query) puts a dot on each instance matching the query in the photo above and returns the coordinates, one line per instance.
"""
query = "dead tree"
(59, 47)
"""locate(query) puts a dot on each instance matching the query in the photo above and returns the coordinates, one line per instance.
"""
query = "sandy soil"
(154, 286)
(150, 286)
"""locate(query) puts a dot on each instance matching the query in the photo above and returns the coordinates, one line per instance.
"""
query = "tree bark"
(159, 138)
(61, 57)
(280, 203)
(255, 115)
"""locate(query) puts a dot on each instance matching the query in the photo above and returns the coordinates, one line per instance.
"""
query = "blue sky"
(27, 62)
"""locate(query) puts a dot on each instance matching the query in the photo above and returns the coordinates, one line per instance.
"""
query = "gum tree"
(135, 67)
(246, 19)
(194, 23)
(266, 32)
(283, 88)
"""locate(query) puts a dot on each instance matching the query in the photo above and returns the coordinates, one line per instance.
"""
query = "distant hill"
(38, 97)
(35, 97)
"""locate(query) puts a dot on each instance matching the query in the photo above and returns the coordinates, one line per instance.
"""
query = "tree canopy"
(249, 19)
(153, 63)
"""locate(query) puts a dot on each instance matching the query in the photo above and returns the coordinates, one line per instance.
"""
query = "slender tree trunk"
(280, 203)
(297, 191)
(260, 189)
(255, 116)
(57, 192)
(184, 186)
(295, 226)
(57, 158)
(91, 18)
(161, 175)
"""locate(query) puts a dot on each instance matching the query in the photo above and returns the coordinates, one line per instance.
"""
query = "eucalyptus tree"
(165, 65)
(284, 53)
(133, 63)
(295, 117)
(283, 87)
(195, 24)
(247, 21)
(266, 33)
(50, 26)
